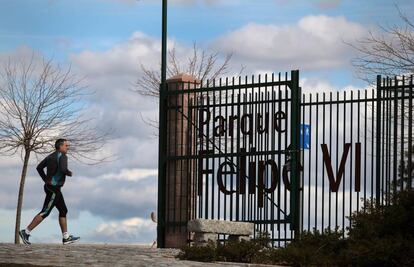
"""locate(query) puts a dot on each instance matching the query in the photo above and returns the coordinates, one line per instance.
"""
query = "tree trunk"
(20, 197)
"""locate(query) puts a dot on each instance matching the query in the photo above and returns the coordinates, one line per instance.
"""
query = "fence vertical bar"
(395, 124)
(295, 152)
(378, 145)
(402, 163)
(410, 134)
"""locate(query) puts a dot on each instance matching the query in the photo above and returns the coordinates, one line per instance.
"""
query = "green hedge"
(377, 236)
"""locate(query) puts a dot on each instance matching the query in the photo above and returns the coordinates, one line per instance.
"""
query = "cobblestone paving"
(12, 255)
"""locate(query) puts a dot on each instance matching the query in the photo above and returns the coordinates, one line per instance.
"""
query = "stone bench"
(205, 230)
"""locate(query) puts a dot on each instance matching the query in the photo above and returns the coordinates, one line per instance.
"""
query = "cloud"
(125, 58)
(125, 231)
(315, 85)
(131, 174)
(122, 59)
(118, 198)
(111, 74)
(314, 43)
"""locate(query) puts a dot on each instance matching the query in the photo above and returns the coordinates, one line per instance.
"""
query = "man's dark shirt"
(51, 164)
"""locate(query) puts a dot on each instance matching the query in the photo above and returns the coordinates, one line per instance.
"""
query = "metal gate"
(258, 150)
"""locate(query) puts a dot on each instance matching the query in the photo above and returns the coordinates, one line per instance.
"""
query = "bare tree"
(388, 53)
(40, 102)
(201, 64)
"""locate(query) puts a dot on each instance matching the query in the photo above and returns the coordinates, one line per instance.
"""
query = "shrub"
(205, 254)
(378, 236)
(313, 248)
(383, 235)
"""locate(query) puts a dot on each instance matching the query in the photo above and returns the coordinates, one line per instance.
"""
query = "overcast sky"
(106, 41)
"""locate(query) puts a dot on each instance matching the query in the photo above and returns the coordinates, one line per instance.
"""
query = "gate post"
(295, 152)
(179, 174)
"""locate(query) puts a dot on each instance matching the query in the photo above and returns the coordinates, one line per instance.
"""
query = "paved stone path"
(112, 255)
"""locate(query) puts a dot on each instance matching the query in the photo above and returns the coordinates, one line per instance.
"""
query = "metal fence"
(258, 150)
(359, 140)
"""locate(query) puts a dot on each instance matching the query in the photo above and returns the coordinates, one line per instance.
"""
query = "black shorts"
(53, 198)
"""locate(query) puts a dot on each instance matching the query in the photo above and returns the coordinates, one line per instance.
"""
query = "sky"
(105, 41)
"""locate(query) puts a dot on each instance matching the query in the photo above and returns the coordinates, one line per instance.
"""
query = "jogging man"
(57, 169)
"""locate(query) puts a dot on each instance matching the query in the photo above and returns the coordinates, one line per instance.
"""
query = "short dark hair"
(59, 142)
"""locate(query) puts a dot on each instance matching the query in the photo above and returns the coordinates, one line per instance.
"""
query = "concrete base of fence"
(206, 230)
(221, 227)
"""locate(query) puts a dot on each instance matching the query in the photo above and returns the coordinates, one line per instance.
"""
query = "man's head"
(62, 145)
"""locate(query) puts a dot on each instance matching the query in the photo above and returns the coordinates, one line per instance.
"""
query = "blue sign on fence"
(305, 136)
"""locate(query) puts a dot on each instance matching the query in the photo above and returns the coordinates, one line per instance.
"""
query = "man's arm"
(40, 168)
(63, 165)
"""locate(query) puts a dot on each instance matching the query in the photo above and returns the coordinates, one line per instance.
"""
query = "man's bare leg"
(35, 222)
(63, 224)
